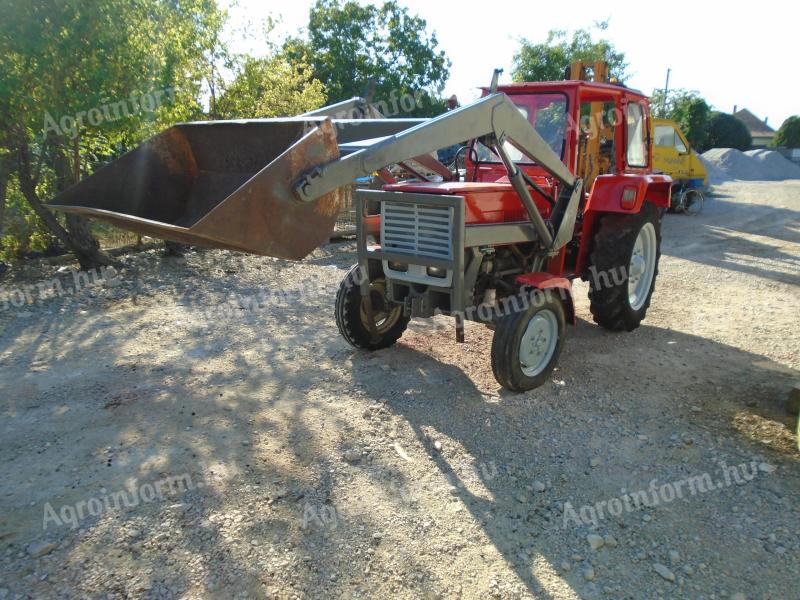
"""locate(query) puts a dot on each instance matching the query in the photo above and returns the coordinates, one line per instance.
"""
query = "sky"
(731, 55)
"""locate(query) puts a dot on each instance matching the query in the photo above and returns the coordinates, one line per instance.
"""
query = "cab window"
(637, 149)
(666, 136)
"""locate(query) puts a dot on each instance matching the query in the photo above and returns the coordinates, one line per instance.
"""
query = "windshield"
(548, 115)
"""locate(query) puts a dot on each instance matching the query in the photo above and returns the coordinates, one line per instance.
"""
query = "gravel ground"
(163, 436)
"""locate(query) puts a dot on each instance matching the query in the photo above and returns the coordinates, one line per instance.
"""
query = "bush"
(726, 131)
(788, 135)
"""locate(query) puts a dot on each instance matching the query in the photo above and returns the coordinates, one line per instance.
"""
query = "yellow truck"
(673, 155)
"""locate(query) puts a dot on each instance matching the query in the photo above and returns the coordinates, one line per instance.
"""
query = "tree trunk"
(78, 238)
(5, 171)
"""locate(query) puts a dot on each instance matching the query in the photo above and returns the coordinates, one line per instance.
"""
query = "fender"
(607, 197)
(609, 192)
(543, 281)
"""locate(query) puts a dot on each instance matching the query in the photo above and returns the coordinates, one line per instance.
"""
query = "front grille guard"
(367, 253)
(466, 242)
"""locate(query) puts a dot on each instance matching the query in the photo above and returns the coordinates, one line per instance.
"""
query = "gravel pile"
(726, 164)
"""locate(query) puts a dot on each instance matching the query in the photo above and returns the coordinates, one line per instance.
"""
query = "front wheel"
(692, 202)
(624, 268)
(351, 312)
(527, 344)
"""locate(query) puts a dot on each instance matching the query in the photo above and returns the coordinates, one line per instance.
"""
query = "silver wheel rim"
(642, 266)
(693, 202)
(538, 343)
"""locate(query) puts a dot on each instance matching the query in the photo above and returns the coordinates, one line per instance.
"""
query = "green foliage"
(693, 117)
(691, 112)
(549, 60)
(83, 81)
(349, 44)
(270, 87)
(788, 136)
(726, 131)
(65, 59)
(23, 231)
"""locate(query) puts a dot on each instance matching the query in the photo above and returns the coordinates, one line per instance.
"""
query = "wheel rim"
(693, 203)
(642, 266)
(538, 343)
(385, 315)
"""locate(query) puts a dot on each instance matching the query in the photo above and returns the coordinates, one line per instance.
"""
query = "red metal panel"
(544, 281)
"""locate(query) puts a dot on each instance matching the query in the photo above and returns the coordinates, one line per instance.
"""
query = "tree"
(788, 135)
(270, 87)
(349, 44)
(549, 60)
(691, 112)
(726, 131)
(694, 118)
(75, 76)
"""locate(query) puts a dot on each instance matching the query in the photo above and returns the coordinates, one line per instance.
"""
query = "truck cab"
(673, 155)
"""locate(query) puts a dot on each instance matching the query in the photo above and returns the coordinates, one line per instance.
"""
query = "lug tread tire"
(348, 314)
(613, 245)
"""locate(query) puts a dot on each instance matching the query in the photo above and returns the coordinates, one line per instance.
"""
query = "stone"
(595, 462)
(674, 556)
(538, 486)
(595, 541)
(437, 445)
(664, 572)
(39, 549)
(351, 456)
(589, 574)
(610, 541)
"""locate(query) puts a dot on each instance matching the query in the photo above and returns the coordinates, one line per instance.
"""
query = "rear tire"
(351, 316)
(624, 268)
(527, 344)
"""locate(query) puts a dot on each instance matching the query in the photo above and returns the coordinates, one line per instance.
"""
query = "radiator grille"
(417, 229)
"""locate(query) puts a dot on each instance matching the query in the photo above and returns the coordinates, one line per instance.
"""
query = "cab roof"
(568, 84)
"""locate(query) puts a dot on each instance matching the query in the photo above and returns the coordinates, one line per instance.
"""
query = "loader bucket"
(224, 184)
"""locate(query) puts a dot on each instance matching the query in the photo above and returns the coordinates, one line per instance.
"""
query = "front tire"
(351, 316)
(624, 268)
(527, 344)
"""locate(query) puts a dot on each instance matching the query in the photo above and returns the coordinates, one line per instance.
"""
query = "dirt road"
(181, 430)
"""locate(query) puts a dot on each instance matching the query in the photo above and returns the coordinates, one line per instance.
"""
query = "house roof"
(755, 126)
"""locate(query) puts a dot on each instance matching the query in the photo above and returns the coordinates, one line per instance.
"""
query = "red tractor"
(502, 245)
(556, 183)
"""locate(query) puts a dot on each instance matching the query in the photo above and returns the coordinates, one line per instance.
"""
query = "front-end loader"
(557, 184)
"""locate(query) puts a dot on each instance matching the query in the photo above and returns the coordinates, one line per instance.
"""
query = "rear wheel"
(351, 311)
(527, 344)
(624, 268)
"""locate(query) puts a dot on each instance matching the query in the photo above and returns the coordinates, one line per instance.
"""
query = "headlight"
(398, 266)
(437, 272)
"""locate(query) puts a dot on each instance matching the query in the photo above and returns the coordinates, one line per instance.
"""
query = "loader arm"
(495, 116)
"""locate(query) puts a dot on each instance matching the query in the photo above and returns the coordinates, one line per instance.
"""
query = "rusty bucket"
(222, 184)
